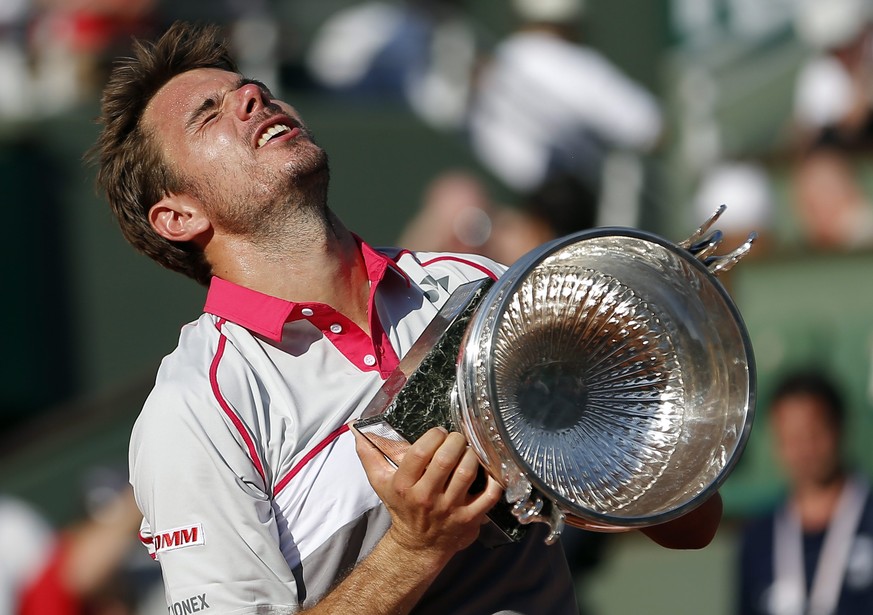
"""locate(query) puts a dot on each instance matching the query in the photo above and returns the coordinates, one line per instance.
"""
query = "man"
(814, 554)
(256, 496)
(67, 572)
(547, 105)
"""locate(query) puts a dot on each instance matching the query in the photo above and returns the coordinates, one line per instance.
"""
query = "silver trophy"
(606, 381)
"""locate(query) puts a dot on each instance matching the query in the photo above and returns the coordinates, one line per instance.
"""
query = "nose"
(250, 100)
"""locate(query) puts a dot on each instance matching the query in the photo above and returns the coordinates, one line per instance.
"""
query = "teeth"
(271, 132)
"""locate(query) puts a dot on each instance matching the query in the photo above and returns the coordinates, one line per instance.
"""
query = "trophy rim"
(496, 301)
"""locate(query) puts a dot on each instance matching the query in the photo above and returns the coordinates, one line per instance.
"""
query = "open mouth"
(274, 131)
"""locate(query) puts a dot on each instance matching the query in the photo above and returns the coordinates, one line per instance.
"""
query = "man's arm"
(694, 530)
(433, 517)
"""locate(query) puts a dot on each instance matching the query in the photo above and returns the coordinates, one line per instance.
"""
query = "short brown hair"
(131, 169)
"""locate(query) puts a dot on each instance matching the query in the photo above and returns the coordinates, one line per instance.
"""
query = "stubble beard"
(274, 209)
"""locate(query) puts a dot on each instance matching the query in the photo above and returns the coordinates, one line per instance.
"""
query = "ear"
(179, 217)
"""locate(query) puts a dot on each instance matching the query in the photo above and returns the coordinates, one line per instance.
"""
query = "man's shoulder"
(464, 265)
(184, 375)
(190, 360)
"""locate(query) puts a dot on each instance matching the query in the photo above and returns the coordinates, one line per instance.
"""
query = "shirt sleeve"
(208, 519)
(621, 111)
(460, 267)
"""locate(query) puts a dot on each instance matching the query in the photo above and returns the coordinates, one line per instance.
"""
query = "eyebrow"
(212, 101)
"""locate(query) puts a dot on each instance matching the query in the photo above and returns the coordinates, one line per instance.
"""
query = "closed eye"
(207, 111)
(209, 108)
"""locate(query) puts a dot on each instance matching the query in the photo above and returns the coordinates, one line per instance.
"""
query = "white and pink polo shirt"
(253, 497)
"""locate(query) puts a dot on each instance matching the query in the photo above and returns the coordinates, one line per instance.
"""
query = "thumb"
(376, 465)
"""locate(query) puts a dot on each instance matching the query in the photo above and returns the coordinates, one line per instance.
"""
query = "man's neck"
(816, 502)
(320, 263)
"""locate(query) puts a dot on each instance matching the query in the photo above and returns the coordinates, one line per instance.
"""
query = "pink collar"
(266, 315)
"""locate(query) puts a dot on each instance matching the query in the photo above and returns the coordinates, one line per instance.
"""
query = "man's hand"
(433, 516)
(428, 495)
(693, 530)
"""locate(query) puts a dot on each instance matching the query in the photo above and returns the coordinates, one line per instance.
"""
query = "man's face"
(807, 442)
(240, 153)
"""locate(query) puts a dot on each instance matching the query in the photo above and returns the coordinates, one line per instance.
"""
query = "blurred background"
(478, 126)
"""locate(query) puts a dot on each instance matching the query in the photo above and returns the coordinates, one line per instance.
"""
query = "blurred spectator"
(546, 105)
(71, 43)
(560, 206)
(458, 215)
(419, 51)
(746, 189)
(254, 38)
(515, 234)
(27, 542)
(455, 216)
(831, 205)
(563, 205)
(834, 89)
(14, 65)
(72, 572)
(814, 553)
(832, 114)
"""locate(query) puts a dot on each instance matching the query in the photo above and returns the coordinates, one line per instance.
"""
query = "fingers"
(445, 462)
(415, 461)
(453, 470)
(438, 462)
(419, 457)
(462, 477)
(486, 500)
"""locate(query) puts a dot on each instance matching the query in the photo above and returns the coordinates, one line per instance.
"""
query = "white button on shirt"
(307, 311)
(369, 360)
(336, 328)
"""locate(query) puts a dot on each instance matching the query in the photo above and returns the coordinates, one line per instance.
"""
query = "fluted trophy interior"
(607, 380)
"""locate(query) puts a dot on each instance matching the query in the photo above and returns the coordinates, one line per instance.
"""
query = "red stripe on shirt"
(147, 541)
(458, 259)
(237, 422)
(309, 457)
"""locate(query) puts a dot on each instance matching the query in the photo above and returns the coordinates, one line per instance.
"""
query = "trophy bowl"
(607, 380)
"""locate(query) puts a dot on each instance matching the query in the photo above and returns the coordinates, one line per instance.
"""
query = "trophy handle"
(702, 245)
